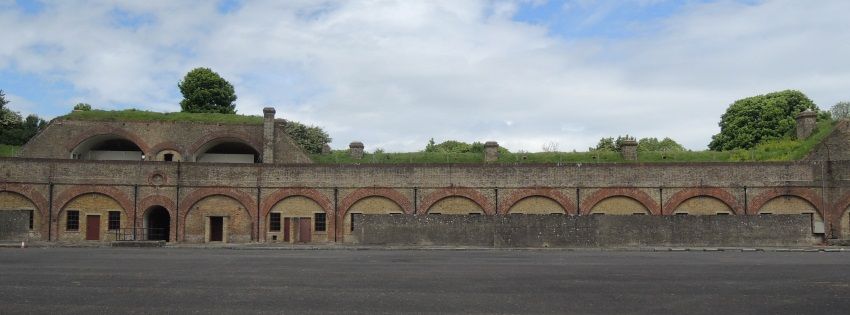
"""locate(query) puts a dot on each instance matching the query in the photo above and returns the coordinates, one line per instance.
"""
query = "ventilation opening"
(229, 152)
(168, 157)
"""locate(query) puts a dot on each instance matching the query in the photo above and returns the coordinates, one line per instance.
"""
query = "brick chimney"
(268, 135)
(806, 121)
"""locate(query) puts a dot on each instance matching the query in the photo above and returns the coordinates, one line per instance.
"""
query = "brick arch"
(36, 198)
(167, 145)
(157, 200)
(840, 208)
(634, 193)
(213, 136)
(717, 193)
(804, 193)
(283, 193)
(245, 199)
(402, 201)
(72, 193)
(566, 202)
(465, 192)
(108, 130)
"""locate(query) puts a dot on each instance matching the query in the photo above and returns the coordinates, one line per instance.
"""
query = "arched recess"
(13, 201)
(842, 211)
(366, 205)
(620, 195)
(149, 204)
(112, 140)
(701, 201)
(297, 202)
(452, 193)
(37, 199)
(226, 148)
(809, 195)
(92, 205)
(399, 199)
(543, 199)
(459, 205)
(195, 216)
(619, 205)
(168, 151)
(790, 204)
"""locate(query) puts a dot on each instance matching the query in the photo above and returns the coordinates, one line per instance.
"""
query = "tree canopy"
(82, 107)
(454, 146)
(13, 129)
(644, 144)
(204, 91)
(753, 120)
(840, 110)
(309, 138)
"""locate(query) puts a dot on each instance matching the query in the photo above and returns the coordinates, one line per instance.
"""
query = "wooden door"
(305, 231)
(92, 227)
(286, 229)
(216, 229)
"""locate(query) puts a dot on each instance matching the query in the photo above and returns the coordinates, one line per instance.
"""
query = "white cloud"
(395, 73)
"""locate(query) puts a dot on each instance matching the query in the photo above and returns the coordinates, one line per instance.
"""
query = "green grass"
(141, 115)
(780, 150)
(8, 150)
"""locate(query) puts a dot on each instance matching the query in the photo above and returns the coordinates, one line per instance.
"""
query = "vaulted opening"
(107, 148)
(227, 151)
(158, 224)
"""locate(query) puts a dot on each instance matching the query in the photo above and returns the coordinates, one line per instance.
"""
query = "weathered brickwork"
(48, 182)
(91, 205)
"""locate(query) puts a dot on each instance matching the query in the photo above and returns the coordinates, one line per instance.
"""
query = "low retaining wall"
(14, 225)
(584, 231)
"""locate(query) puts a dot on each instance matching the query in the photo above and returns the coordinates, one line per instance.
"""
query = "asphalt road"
(172, 280)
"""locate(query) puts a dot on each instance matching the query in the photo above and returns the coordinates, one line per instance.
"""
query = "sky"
(394, 74)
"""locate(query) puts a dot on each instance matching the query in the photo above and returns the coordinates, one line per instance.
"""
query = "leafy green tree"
(309, 138)
(204, 91)
(757, 119)
(654, 145)
(840, 110)
(8, 117)
(454, 146)
(82, 107)
(610, 143)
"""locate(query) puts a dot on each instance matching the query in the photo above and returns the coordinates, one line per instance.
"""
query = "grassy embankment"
(781, 150)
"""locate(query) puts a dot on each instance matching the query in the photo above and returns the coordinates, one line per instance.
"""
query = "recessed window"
(32, 213)
(723, 213)
(638, 213)
(352, 222)
(319, 222)
(72, 220)
(168, 157)
(274, 222)
(114, 220)
(682, 213)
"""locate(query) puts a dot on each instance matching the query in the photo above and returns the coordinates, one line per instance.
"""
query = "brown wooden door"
(216, 229)
(286, 229)
(305, 231)
(92, 227)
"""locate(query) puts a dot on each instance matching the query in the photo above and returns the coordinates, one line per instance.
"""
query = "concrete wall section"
(585, 231)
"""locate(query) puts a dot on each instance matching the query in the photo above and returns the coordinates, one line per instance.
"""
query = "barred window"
(72, 220)
(31, 218)
(274, 222)
(319, 224)
(114, 220)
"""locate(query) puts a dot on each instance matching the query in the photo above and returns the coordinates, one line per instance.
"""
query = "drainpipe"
(135, 207)
(336, 214)
(415, 200)
(746, 202)
(259, 191)
(496, 211)
(177, 204)
(50, 212)
(578, 199)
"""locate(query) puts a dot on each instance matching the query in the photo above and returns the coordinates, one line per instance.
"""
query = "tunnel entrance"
(158, 224)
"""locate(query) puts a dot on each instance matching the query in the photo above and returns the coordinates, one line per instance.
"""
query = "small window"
(168, 157)
(352, 222)
(638, 213)
(114, 220)
(274, 222)
(723, 213)
(72, 220)
(32, 213)
(681, 213)
(474, 213)
(319, 222)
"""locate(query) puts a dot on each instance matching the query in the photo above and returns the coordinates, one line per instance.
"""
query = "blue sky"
(395, 73)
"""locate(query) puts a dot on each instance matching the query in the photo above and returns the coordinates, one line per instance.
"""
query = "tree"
(204, 91)
(840, 110)
(8, 117)
(757, 119)
(653, 145)
(454, 146)
(309, 138)
(610, 144)
(82, 107)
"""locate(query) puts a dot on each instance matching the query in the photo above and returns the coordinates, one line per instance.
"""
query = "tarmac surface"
(197, 280)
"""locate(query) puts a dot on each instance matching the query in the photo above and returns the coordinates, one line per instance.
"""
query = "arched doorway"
(107, 148)
(158, 224)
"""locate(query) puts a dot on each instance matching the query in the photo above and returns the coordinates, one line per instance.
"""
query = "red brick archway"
(73, 192)
(167, 145)
(717, 193)
(159, 200)
(839, 209)
(213, 136)
(36, 198)
(805, 193)
(402, 201)
(108, 130)
(245, 199)
(309, 193)
(465, 192)
(565, 202)
(634, 193)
